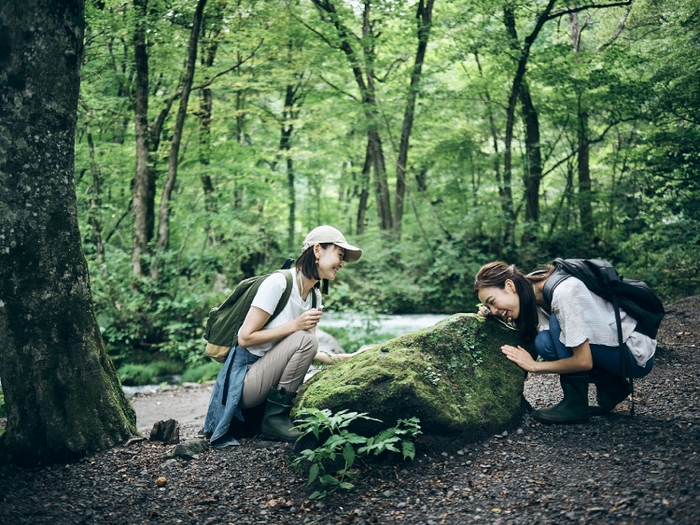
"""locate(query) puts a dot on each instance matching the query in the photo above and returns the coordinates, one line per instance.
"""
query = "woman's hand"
(483, 311)
(520, 357)
(309, 319)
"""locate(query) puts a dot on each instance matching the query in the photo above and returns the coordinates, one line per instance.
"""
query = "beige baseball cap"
(328, 234)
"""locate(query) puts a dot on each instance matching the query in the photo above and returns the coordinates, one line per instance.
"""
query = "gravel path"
(613, 469)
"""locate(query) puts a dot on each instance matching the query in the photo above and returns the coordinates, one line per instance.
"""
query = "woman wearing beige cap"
(271, 359)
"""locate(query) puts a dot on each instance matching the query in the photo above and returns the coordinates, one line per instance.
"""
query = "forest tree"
(62, 393)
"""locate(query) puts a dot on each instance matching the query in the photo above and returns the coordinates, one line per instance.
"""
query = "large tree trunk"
(142, 204)
(424, 16)
(62, 392)
(164, 213)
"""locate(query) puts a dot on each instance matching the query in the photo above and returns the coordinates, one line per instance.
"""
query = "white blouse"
(583, 316)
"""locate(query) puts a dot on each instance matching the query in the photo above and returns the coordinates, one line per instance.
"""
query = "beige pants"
(283, 366)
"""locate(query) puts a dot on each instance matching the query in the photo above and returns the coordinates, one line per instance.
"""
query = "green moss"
(452, 376)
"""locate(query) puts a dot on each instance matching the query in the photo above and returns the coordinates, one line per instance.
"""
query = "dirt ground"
(612, 469)
(186, 404)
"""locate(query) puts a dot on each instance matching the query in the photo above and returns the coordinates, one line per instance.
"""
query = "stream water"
(383, 324)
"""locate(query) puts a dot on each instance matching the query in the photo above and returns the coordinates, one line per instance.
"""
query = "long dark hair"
(495, 274)
(306, 264)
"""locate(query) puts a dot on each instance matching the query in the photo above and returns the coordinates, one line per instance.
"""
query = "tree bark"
(532, 175)
(424, 16)
(173, 159)
(62, 393)
(143, 201)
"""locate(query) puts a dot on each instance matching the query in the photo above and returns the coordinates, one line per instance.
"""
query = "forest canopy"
(213, 135)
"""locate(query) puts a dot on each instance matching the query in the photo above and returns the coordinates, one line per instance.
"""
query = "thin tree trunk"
(164, 214)
(504, 190)
(287, 128)
(95, 198)
(533, 172)
(515, 91)
(584, 175)
(364, 77)
(62, 393)
(584, 171)
(424, 16)
(364, 192)
(142, 201)
(210, 45)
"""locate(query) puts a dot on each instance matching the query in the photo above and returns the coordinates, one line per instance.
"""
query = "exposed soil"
(612, 469)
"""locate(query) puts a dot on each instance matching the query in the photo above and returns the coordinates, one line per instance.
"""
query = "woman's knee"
(305, 341)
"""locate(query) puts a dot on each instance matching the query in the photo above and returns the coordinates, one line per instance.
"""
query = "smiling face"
(330, 260)
(503, 302)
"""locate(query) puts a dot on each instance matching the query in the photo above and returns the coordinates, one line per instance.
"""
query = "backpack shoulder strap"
(551, 283)
(285, 295)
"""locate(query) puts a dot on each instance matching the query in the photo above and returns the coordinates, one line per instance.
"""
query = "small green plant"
(342, 443)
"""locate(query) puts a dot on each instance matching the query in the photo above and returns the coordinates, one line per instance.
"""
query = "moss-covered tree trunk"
(62, 393)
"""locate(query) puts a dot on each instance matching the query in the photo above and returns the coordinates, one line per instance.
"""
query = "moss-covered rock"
(452, 376)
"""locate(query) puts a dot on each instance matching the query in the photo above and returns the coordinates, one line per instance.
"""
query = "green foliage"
(144, 320)
(136, 375)
(147, 374)
(3, 413)
(635, 88)
(345, 445)
(202, 373)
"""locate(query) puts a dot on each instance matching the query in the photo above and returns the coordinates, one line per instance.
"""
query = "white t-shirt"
(583, 316)
(267, 298)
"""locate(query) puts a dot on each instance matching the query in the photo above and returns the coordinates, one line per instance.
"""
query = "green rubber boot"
(611, 390)
(276, 423)
(574, 407)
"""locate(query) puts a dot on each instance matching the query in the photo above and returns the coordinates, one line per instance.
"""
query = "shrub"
(136, 375)
(201, 373)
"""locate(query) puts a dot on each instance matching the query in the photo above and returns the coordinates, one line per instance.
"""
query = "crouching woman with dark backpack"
(576, 336)
(271, 358)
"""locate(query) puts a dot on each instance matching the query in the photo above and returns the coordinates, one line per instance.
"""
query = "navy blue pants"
(550, 348)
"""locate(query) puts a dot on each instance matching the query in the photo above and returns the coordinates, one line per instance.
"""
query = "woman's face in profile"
(502, 302)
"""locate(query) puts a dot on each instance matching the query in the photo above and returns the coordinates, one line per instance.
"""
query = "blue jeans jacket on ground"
(223, 405)
(549, 346)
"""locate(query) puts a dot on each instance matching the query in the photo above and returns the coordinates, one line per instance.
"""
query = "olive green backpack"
(224, 321)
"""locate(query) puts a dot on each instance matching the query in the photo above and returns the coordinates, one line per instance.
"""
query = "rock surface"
(452, 376)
